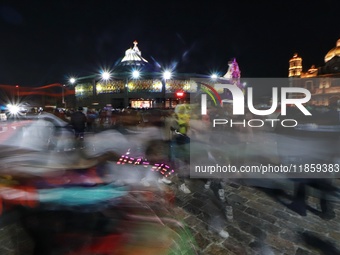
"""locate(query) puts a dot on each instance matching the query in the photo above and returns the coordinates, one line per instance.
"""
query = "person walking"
(78, 122)
(91, 120)
(325, 188)
(181, 146)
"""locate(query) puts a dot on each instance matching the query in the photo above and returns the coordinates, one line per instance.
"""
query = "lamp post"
(166, 76)
(18, 92)
(135, 74)
(72, 100)
(126, 101)
(105, 78)
(63, 96)
(104, 75)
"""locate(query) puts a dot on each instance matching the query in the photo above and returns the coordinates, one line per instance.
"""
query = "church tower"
(295, 66)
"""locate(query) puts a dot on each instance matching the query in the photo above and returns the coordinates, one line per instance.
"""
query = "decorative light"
(131, 86)
(79, 90)
(186, 86)
(99, 88)
(157, 85)
(180, 94)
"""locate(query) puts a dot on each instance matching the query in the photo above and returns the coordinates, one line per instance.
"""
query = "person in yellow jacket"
(182, 125)
(181, 147)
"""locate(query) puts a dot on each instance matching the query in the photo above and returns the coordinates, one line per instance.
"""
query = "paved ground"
(261, 224)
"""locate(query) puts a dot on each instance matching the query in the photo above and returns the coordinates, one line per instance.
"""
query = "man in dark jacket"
(78, 122)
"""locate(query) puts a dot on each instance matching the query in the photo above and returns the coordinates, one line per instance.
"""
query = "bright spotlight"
(72, 80)
(213, 76)
(167, 75)
(13, 109)
(106, 75)
(135, 74)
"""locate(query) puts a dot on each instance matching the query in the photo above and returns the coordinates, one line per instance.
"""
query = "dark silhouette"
(324, 186)
(324, 246)
(78, 122)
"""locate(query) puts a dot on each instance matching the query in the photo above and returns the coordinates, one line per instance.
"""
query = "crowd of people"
(107, 117)
(179, 126)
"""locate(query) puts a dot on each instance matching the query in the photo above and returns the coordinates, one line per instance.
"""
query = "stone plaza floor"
(261, 224)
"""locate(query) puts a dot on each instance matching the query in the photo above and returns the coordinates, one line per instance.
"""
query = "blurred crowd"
(111, 192)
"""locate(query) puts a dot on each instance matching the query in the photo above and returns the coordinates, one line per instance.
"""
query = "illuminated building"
(323, 82)
(135, 82)
(295, 66)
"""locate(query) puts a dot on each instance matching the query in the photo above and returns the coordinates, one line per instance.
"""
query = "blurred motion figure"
(78, 122)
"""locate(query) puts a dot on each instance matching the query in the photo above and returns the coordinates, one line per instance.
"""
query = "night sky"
(44, 42)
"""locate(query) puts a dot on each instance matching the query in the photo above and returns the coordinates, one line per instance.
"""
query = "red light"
(180, 94)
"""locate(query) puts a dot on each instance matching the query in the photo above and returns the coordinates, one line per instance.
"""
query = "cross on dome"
(135, 48)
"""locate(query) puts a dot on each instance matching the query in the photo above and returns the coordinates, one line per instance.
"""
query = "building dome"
(333, 52)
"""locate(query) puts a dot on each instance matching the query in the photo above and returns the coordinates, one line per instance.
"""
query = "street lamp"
(72, 100)
(167, 75)
(72, 80)
(63, 95)
(106, 75)
(18, 93)
(135, 74)
(214, 76)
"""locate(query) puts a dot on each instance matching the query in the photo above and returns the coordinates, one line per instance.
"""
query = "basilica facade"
(323, 82)
(149, 90)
